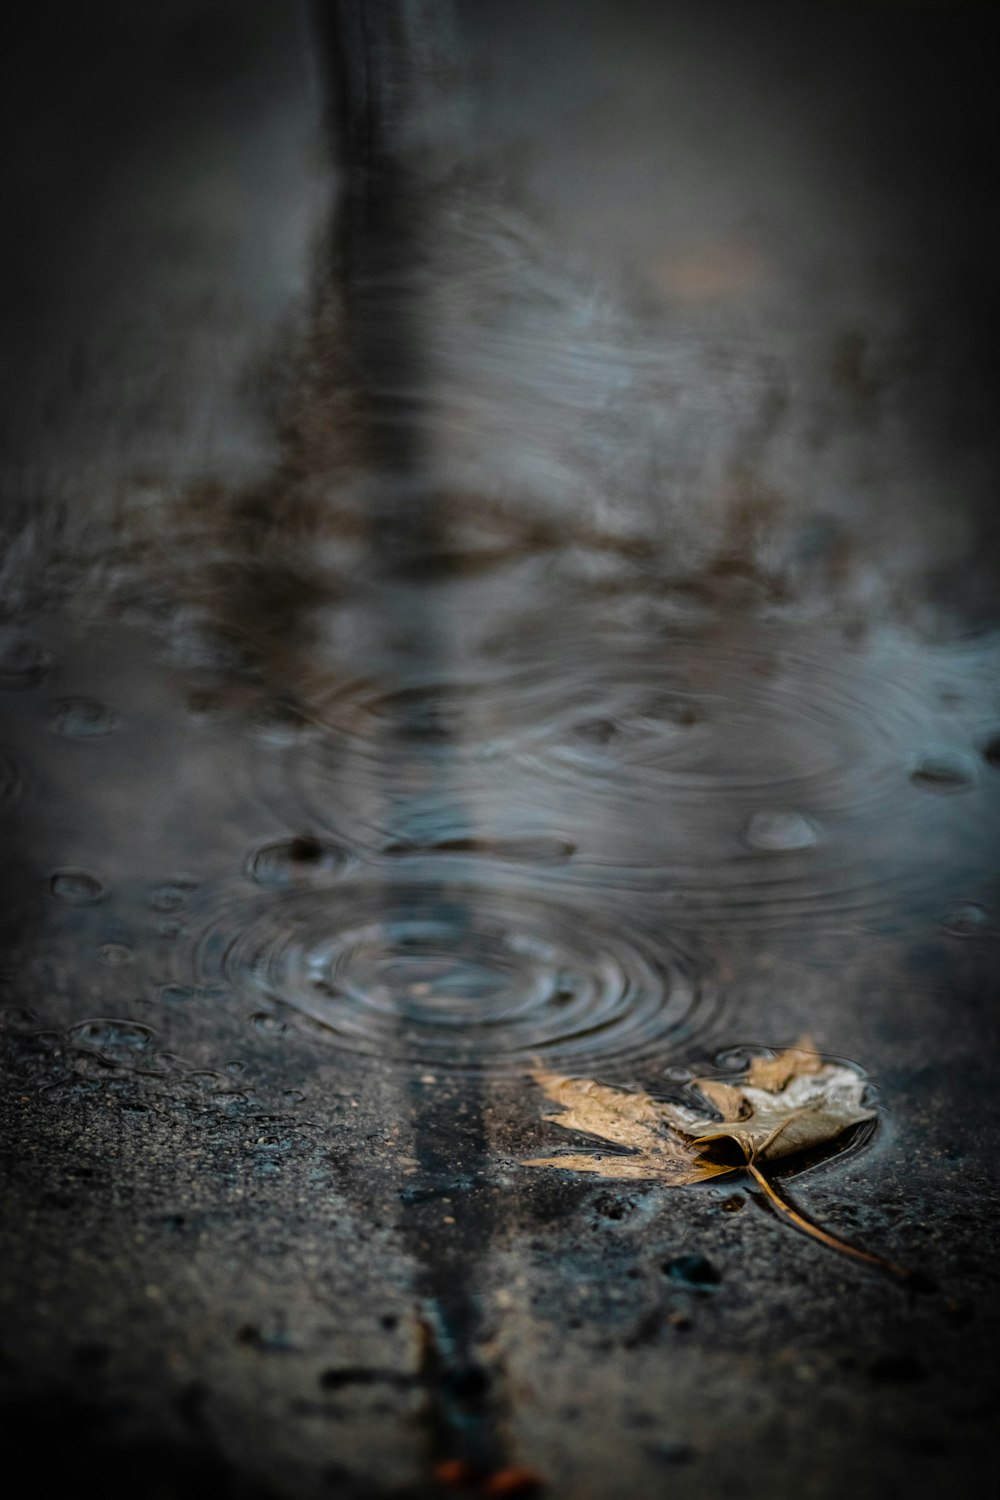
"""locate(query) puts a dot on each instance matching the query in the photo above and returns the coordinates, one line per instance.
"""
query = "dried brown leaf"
(789, 1103)
(635, 1121)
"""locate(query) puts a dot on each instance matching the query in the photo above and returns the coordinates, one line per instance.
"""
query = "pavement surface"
(513, 583)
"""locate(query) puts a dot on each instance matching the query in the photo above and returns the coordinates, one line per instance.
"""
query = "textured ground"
(632, 702)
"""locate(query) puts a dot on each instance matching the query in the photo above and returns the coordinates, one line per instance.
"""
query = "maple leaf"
(778, 1107)
(643, 1125)
(783, 1105)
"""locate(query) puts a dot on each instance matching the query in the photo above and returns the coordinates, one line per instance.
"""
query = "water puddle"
(457, 975)
(519, 636)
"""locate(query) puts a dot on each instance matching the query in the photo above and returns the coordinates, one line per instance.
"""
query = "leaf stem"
(808, 1227)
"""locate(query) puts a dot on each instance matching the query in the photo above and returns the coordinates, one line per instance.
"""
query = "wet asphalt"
(499, 569)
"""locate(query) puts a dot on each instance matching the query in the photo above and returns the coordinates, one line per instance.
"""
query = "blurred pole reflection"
(374, 63)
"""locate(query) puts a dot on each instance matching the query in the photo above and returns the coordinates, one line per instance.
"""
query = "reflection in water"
(555, 646)
(466, 657)
(500, 704)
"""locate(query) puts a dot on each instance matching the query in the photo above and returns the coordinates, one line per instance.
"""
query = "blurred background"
(499, 567)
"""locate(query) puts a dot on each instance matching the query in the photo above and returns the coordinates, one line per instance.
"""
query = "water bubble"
(172, 894)
(76, 887)
(113, 1035)
(735, 1059)
(780, 832)
(269, 1024)
(116, 954)
(968, 919)
(295, 861)
(231, 1102)
(83, 718)
(943, 769)
(24, 662)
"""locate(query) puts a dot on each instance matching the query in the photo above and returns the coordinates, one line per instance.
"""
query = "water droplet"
(231, 1102)
(270, 1025)
(110, 1033)
(116, 954)
(734, 1059)
(677, 1073)
(969, 919)
(295, 861)
(24, 662)
(943, 769)
(76, 887)
(172, 894)
(780, 832)
(83, 718)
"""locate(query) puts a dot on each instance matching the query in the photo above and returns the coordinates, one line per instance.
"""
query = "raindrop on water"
(116, 954)
(943, 769)
(172, 894)
(459, 974)
(83, 718)
(270, 1025)
(779, 832)
(295, 861)
(968, 919)
(113, 1036)
(76, 887)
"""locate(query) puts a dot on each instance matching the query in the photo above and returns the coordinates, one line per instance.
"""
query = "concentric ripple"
(457, 976)
(751, 773)
(769, 721)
